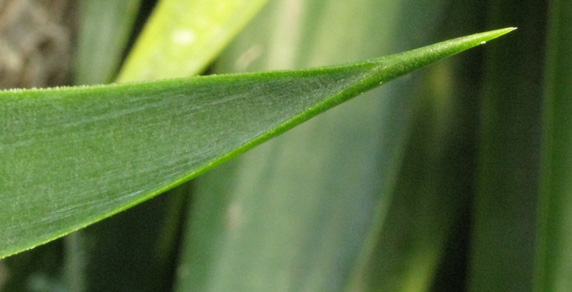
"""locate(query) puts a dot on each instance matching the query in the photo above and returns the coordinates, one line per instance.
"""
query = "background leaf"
(183, 37)
(554, 268)
(102, 38)
(506, 203)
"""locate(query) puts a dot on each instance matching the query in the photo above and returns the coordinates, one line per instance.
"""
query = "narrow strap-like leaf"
(553, 267)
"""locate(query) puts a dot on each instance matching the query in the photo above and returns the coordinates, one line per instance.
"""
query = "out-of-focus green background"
(454, 178)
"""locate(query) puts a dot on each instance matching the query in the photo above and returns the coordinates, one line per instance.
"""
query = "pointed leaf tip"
(400, 64)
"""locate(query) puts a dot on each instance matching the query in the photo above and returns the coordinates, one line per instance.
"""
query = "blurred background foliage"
(454, 178)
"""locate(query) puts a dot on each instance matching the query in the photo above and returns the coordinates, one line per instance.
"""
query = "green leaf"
(104, 30)
(181, 28)
(73, 156)
(508, 168)
(554, 267)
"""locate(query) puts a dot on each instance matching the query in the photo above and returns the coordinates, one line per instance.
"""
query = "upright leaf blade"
(104, 31)
(554, 264)
(182, 28)
(73, 156)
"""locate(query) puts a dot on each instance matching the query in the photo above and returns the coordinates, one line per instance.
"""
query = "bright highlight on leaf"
(73, 156)
(182, 28)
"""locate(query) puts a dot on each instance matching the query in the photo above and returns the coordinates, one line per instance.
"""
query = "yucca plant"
(452, 178)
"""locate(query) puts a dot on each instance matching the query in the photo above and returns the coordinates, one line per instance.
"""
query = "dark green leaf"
(506, 203)
(554, 266)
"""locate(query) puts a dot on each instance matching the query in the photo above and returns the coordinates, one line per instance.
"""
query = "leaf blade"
(553, 267)
(178, 29)
(104, 31)
(74, 156)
